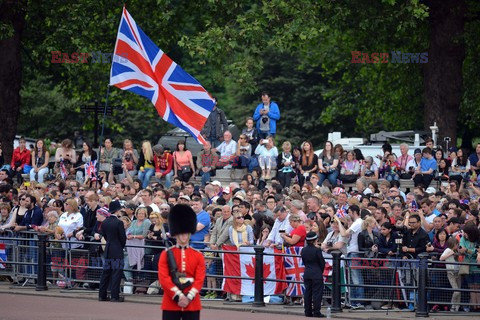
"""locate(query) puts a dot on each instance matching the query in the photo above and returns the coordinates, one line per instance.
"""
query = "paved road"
(22, 307)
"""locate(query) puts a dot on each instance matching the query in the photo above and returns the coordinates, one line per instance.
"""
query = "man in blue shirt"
(203, 223)
(266, 115)
(424, 173)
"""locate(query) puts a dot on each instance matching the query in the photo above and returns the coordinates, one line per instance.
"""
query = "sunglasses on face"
(239, 218)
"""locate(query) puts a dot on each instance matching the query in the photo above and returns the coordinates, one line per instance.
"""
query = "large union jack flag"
(139, 66)
(294, 268)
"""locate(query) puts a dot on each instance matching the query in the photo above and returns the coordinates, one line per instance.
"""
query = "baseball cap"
(216, 183)
(227, 190)
(431, 190)
(184, 197)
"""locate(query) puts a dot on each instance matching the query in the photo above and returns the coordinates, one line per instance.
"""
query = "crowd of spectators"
(307, 194)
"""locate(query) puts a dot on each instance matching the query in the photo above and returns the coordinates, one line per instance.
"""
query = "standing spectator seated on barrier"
(227, 150)
(425, 172)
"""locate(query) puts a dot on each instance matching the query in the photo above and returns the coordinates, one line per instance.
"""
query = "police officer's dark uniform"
(114, 233)
(313, 276)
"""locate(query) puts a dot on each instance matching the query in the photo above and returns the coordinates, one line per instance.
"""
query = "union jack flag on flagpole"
(139, 66)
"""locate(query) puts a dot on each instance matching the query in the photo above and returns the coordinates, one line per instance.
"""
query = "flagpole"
(103, 126)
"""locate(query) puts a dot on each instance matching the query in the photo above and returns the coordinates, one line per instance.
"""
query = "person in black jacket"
(114, 233)
(415, 239)
(313, 276)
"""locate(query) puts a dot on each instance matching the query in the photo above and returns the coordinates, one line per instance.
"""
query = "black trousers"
(313, 296)
(285, 178)
(177, 315)
(423, 179)
(112, 273)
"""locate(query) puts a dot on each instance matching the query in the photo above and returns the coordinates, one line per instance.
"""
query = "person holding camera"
(129, 157)
(266, 115)
(65, 157)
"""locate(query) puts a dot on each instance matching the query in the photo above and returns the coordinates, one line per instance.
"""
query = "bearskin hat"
(182, 219)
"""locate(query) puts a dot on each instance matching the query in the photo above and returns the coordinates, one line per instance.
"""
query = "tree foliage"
(300, 51)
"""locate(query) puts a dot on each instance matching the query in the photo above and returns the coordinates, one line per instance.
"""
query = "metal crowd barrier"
(420, 283)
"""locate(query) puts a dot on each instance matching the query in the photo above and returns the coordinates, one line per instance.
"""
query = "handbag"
(186, 169)
(464, 270)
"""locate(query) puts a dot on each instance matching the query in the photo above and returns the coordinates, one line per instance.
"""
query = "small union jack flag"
(342, 211)
(139, 66)
(294, 268)
(91, 170)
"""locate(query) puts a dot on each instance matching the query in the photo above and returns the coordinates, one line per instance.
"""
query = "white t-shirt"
(69, 224)
(355, 229)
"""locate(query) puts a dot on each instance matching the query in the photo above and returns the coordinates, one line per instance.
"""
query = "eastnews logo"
(383, 57)
(82, 57)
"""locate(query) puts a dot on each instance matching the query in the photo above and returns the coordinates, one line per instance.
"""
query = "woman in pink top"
(183, 162)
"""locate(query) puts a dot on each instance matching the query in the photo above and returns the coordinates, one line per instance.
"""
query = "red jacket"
(23, 157)
(163, 164)
(193, 267)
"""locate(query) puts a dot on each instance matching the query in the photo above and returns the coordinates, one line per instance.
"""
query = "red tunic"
(193, 267)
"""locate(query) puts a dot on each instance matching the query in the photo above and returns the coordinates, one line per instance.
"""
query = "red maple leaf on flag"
(250, 270)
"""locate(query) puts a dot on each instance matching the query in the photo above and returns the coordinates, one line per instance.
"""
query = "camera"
(398, 241)
(128, 157)
(264, 119)
(330, 243)
(281, 231)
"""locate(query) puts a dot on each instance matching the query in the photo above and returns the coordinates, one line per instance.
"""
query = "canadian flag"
(243, 265)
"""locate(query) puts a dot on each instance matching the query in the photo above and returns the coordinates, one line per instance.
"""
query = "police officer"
(114, 233)
(313, 276)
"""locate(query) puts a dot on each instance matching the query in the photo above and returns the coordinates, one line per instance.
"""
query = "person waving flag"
(139, 66)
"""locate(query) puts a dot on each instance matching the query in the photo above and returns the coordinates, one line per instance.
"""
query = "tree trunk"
(443, 72)
(12, 13)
